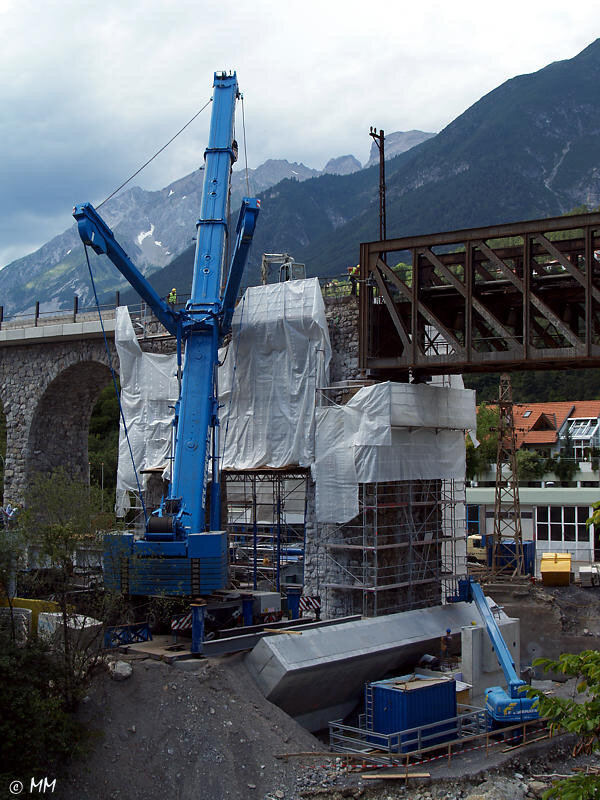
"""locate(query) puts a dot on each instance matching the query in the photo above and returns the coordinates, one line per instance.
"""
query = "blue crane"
(503, 707)
(182, 553)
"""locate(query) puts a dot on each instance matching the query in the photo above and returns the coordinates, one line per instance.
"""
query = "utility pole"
(507, 508)
(379, 139)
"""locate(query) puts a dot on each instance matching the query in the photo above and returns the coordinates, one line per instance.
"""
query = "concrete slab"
(160, 649)
(320, 675)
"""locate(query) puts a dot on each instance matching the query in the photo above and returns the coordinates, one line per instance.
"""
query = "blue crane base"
(505, 710)
(193, 568)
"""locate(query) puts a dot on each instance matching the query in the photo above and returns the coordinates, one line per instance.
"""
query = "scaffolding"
(401, 551)
(507, 509)
(266, 513)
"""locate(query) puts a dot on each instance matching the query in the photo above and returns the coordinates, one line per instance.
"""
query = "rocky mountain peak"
(396, 143)
(342, 165)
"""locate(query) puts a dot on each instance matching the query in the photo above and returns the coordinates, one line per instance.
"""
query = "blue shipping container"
(398, 704)
(508, 554)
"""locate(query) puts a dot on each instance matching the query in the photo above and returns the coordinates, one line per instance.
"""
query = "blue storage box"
(398, 704)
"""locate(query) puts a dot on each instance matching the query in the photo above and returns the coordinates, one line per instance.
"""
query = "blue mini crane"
(504, 708)
(182, 553)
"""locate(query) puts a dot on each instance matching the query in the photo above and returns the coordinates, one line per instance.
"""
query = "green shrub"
(36, 731)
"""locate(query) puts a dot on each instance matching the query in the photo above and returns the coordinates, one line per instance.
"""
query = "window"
(579, 448)
(582, 433)
(562, 524)
(526, 414)
(579, 428)
(472, 519)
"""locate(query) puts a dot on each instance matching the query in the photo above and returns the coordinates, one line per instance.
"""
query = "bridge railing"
(333, 287)
(141, 315)
(140, 312)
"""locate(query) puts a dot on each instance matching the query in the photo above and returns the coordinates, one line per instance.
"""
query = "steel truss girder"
(517, 296)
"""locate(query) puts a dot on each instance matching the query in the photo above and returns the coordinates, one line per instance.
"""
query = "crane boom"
(178, 529)
(503, 707)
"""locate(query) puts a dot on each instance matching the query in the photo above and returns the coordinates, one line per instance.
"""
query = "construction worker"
(445, 645)
(172, 298)
(354, 273)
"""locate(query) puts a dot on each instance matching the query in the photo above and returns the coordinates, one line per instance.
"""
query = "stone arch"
(58, 434)
(3, 438)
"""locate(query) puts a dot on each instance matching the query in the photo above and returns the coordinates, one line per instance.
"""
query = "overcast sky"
(89, 89)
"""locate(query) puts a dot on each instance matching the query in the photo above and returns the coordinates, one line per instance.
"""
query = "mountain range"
(153, 227)
(530, 148)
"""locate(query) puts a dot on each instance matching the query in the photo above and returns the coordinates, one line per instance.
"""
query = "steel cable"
(158, 152)
(114, 377)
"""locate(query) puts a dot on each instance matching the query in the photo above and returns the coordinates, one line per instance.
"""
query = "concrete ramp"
(320, 675)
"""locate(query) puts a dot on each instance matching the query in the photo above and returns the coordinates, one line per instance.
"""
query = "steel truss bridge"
(524, 295)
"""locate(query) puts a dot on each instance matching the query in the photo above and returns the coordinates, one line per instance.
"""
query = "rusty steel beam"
(491, 232)
(494, 304)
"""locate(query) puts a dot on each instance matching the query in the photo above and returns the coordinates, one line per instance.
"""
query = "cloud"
(91, 90)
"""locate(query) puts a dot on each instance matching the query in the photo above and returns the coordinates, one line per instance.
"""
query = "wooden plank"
(393, 776)
(315, 754)
(524, 744)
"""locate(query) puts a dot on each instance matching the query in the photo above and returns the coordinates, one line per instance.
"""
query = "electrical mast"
(507, 508)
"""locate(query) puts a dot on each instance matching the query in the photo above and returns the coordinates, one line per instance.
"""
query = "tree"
(563, 467)
(36, 730)
(60, 517)
(11, 554)
(580, 718)
(531, 465)
(103, 441)
(480, 458)
(42, 678)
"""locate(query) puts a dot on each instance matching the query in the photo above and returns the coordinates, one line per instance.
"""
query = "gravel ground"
(201, 731)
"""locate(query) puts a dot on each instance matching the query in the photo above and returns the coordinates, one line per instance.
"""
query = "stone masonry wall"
(47, 393)
(342, 318)
(319, 568)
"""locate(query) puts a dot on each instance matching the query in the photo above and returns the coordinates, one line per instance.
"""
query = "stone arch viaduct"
(52, 373)
(50, 378)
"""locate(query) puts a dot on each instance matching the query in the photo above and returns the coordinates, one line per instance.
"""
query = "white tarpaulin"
(148, 392)
(278, 357)
(388, 432)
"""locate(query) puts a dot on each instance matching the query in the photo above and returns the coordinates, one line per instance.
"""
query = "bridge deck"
(62, 326)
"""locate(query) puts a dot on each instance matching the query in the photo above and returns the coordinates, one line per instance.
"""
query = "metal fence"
(333, 287)
(467, 731)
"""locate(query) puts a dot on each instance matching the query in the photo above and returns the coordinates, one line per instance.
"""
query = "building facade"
(554, 513)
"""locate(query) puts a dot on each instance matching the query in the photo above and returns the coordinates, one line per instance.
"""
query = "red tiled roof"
(541, 426)
(547, 417)
(589, 409)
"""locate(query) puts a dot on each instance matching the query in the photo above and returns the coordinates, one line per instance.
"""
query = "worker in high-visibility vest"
(172, 298)
(354, 273)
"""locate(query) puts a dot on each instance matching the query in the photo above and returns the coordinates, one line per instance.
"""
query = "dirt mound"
(203, 733)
